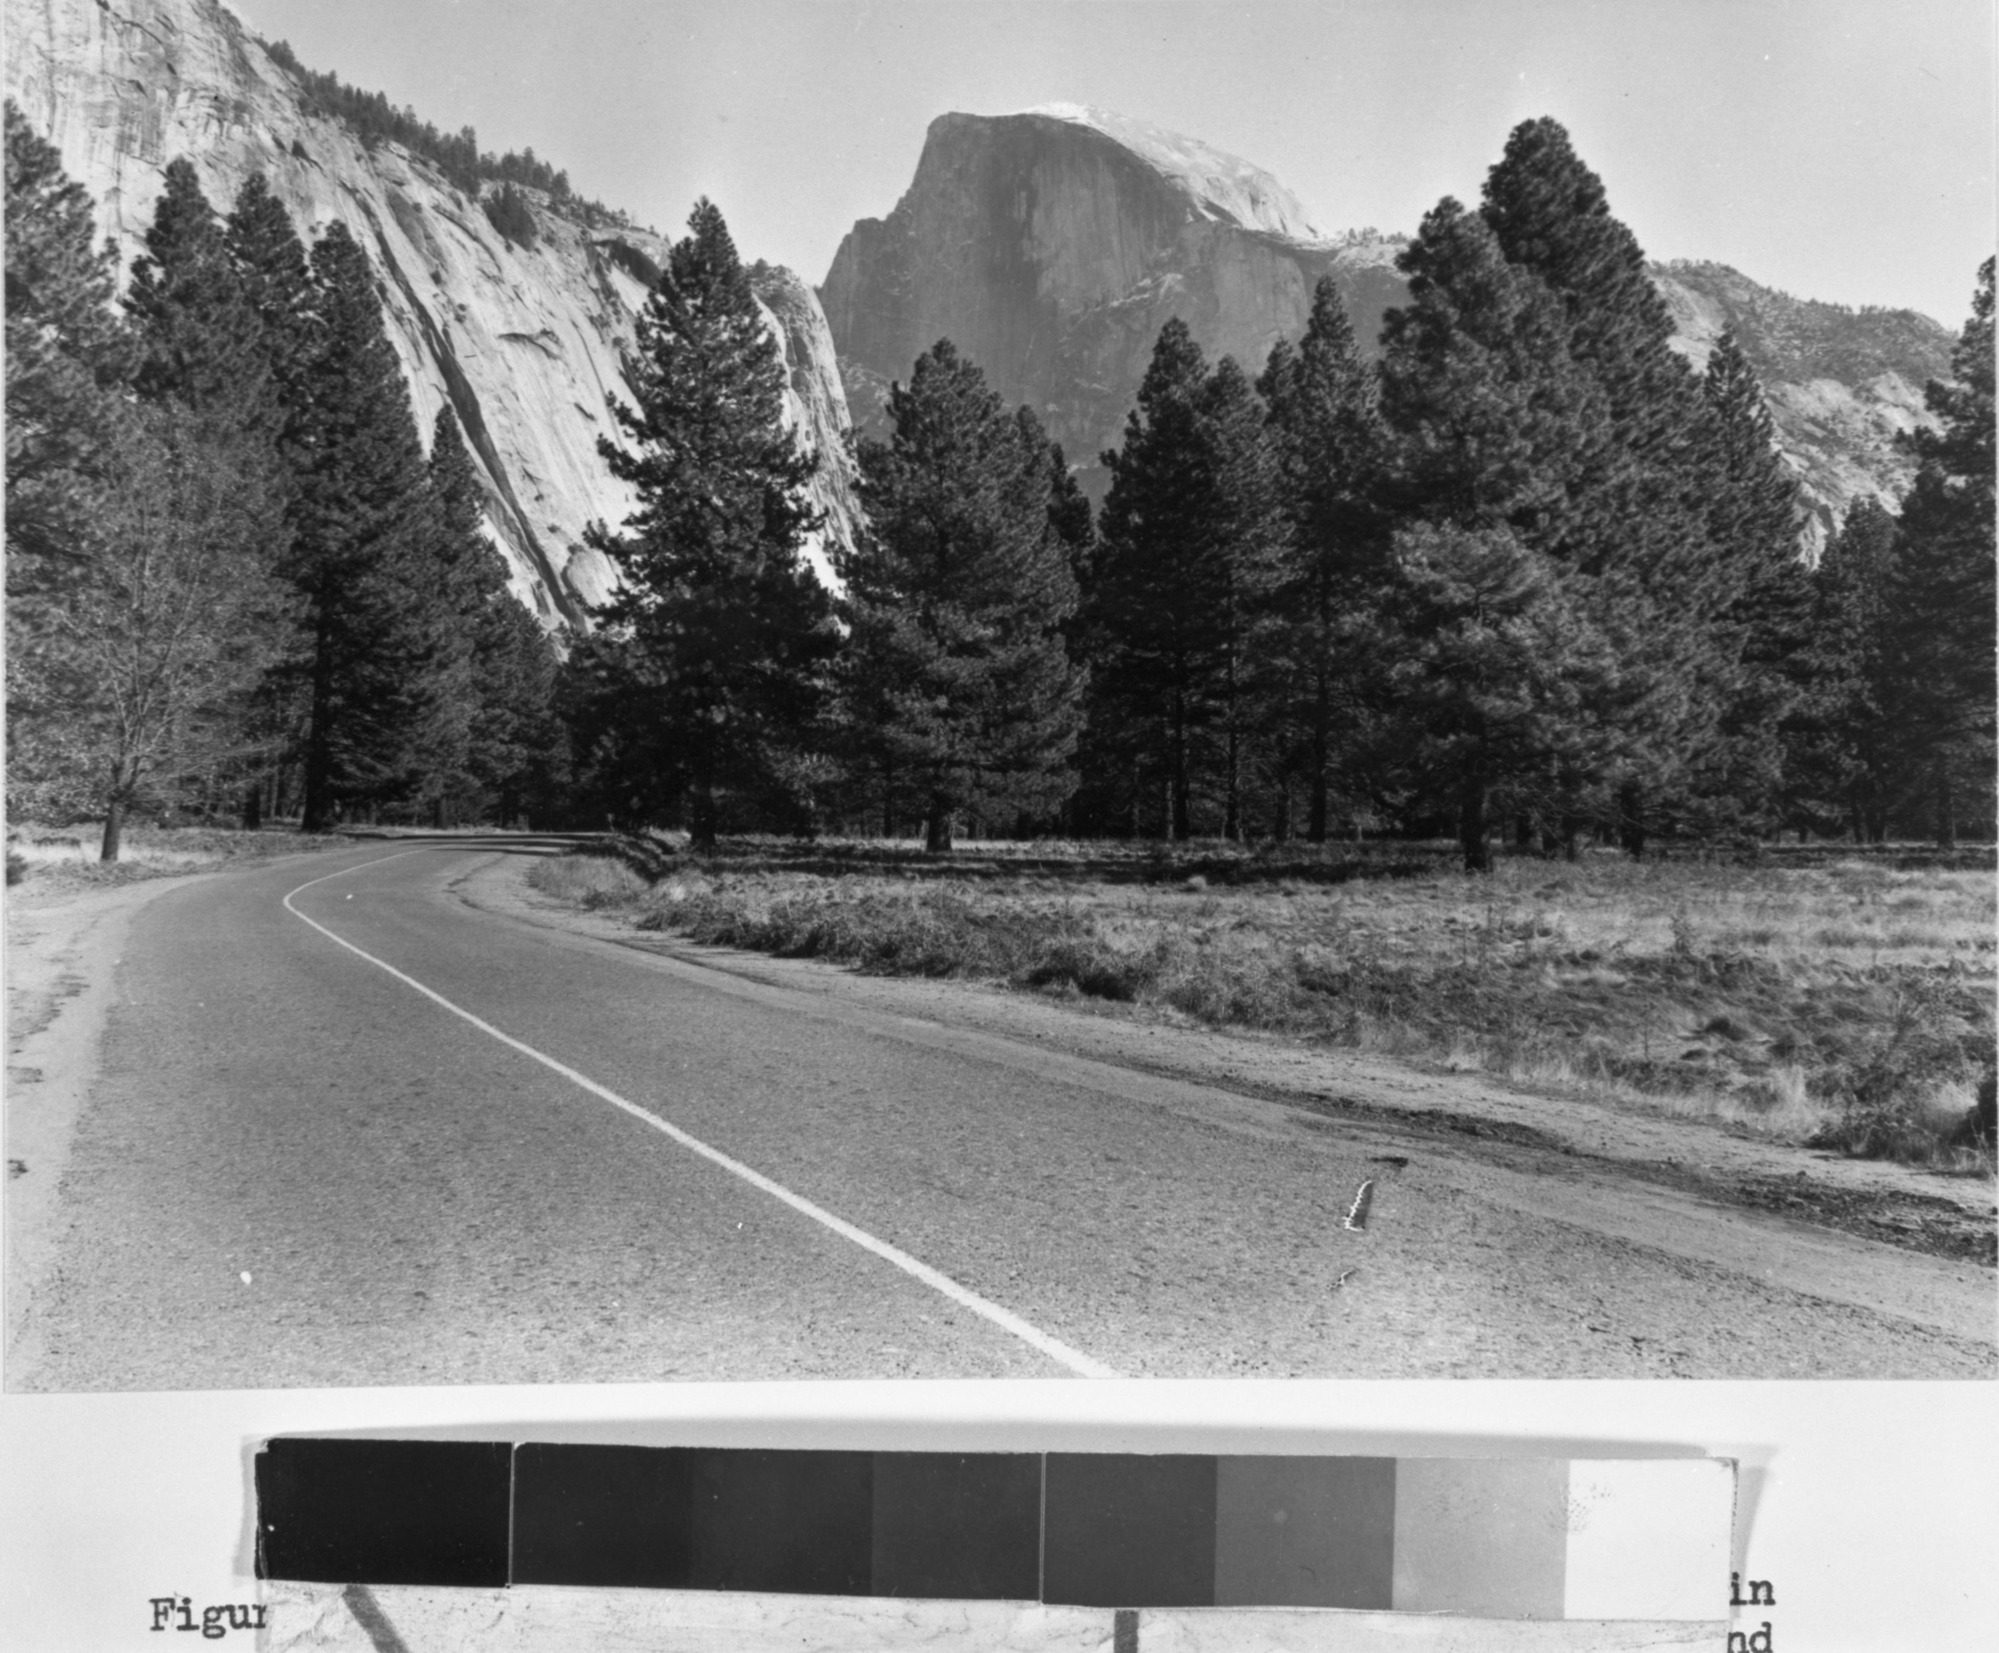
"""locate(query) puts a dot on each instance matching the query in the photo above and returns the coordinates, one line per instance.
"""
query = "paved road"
(366, 1132)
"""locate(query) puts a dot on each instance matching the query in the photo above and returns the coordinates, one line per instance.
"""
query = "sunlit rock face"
(525, 343)
(1050, 246)
(1845, 386)
(815, 405)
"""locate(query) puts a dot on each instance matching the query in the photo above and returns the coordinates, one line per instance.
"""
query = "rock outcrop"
(1051, 245)
(525, 342)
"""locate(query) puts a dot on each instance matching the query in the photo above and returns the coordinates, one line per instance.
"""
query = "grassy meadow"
(1814, 996)
(66, 857)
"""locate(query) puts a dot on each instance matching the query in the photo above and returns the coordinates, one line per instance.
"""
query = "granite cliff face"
(525, 343)
(1844, 386)
(1050, 246)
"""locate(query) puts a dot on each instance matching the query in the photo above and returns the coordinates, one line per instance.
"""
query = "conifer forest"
(1521, 577)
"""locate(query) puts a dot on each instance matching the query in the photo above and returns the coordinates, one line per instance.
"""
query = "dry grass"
(66, 857)
(1843, 1002)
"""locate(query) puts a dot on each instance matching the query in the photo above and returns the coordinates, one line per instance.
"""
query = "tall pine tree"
(1762, 632)
(68, 358)
(363, 534)
(1494, 426)
(496, 732)
(725, 632)
(957, 684)
(205, 358)
(1189, 537)
(1637, 511)
(1847, 760)
(66, 366)
(1942, 627)
(275, 275)
(1326, 426)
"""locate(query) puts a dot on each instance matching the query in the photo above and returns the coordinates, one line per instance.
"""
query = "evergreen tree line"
(1527, 571)
(373, 119)
(234, 577)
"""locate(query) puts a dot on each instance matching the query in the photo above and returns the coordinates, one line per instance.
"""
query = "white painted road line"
(1081, 1364)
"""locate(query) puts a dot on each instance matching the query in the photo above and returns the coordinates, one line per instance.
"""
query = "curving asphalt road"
(349, 1128)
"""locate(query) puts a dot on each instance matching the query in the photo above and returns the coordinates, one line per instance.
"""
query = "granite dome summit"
(1220, 185)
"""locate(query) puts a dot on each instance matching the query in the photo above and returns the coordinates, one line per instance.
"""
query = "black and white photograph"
(719, 694)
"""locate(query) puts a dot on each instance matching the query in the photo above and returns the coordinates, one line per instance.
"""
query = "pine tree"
(1494, 673)
(67, 357)
(1758, 646)
(362, 525)
(1188, 538)
(1248, 527)
(1846, 755)
(517, 752)
(1494, 426)
(727, 633)
(497, 731)
(201, 338)
(956, 678)
(1636, 516)
(203, 356)
(1942, 626)
(1636, 502)
(466, 579)
(1329, 441)
(275, 276)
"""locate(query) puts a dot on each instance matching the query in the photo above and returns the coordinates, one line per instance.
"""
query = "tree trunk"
(1232, 805)
(1631, 822)
(114, 826)
(1322, 717)
(319, 734)
(937, 829)
(1471, 827)
(701, 818)
(1181, 825)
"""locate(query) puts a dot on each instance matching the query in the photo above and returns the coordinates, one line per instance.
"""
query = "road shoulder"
(63, 948)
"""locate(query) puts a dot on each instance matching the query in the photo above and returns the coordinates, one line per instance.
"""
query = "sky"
(1837, 149)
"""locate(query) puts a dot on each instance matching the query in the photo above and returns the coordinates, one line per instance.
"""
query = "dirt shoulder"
(1910, 1208)
(63, 944)
(65, 937)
